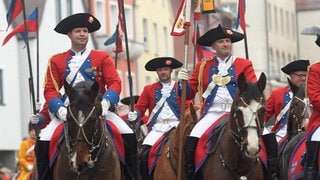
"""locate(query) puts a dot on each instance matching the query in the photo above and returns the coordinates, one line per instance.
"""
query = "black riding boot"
(130, 144)
(311, 166)
(189, 149)
(271, 145)
(144, 171)
(42, 159)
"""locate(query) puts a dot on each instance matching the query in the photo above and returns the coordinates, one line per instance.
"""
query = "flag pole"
(38, 86)
(246, 46)
(117, 46)
(31, 86)
(184, 87)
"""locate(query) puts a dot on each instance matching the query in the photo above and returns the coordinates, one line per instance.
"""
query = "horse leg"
(311, 164)
(130, 144)
(42, 158)
(189, 150)
(272, 154)
(144, 171)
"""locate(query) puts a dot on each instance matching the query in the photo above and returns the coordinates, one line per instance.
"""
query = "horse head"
(247, 113)
(84, 128)
(298, 110)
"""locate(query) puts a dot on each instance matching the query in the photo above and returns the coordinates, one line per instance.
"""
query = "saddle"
(156, 149)
(205, 145)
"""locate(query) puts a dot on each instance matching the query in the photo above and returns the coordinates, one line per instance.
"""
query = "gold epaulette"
(56, 87)
(200, 78)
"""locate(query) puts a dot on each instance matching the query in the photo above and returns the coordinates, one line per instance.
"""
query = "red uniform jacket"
(313, 92)
(275, 104)
(102, 67)
(150, 93)
(239, 65)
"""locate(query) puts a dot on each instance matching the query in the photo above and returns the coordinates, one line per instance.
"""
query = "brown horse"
(237, 143)
(87, 151)
(167, 164)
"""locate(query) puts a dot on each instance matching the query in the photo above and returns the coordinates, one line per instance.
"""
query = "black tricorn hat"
(161, 62)
(298, 65)
(126, 100)
(219, 33)
(78, 20)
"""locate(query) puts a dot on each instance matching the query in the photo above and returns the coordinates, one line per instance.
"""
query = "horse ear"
(67, 88)
(95, 88)
(262, 82)
(294, 88)
(242, 82)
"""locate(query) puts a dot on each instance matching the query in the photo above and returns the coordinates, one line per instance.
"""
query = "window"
(145, 34)
(155, 35)
(100, 14)
(63, 9)
(165, 41)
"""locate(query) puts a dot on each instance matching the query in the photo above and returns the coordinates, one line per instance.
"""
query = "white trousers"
(204, 123)
(157, 131)
(316, 135)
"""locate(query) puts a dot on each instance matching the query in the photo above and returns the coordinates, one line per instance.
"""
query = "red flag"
(15, 7)
(178, 26)
(32, 24)
(202, 52)
(241, 16)
(121, 28)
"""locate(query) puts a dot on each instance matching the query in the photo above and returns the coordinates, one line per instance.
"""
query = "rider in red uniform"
(77, 64)
(277, 109)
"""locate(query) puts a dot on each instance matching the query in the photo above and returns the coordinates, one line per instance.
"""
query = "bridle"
(298, 116)
(82, 136)
(239, 139)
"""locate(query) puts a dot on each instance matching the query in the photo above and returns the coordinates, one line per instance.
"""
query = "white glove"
(183, 74)
(62, 113)
(105, 106)
(132, 116)
(29, 167)
(34, 119)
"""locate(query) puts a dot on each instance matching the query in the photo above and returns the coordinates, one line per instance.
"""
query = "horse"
(87, 151)
(299, 111)
(237, 144)
(168, 158)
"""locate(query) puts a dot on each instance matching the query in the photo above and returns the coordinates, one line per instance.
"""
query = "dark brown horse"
(237, 144)
(299, 111)
(167, 164)
(87, 151)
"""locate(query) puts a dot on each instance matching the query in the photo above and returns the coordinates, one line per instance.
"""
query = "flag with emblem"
(178, 25)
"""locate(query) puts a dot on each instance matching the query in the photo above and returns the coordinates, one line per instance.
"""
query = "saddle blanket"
(156, 150)
(204, 143)
(112, 129)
